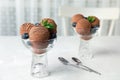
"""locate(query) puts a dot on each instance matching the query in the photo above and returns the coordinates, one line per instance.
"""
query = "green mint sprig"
(46, 24)
(91, 18)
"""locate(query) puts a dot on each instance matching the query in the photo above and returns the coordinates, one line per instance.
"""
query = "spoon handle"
(91, 70)
(80, 64)
(76, 66)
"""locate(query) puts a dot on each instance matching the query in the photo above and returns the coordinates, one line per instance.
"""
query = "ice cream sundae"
(39, 38)
(85, 26)
(39, 34)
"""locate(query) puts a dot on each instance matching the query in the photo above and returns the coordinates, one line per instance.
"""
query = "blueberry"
(25, 36)
(96, 26)
(53, 36)
(37, 24)
(94, 29)
(74, 24)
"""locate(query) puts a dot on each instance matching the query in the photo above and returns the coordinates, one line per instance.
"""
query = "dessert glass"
(84, 51)
(39, 51)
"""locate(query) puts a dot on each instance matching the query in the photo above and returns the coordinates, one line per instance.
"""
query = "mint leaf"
(51, 26)
(91, 18)
(46, 24)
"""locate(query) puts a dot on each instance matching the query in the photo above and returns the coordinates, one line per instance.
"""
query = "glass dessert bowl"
(85, 51)
(86, 28)
(39, 56)
(39, 38)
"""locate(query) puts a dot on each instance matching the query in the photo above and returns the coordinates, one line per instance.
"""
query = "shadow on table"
(67, 73)
(105, 52)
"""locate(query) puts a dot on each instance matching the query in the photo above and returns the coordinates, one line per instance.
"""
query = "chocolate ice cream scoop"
(76, 18)
(39, 34)
(83, 27)
(94, 21)
(25, 28)
(49, 24)
(39, 37)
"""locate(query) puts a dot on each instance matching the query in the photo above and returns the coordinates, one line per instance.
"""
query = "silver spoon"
(66, 62)
(80, 63)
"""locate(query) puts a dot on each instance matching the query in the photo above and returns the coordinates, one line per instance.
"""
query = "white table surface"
(15, 59)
